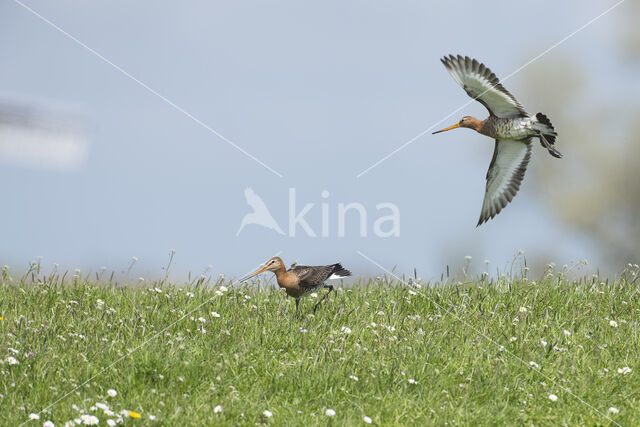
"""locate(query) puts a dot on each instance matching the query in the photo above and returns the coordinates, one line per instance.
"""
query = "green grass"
(149, 346)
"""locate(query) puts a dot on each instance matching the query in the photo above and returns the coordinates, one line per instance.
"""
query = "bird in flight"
(508, 123)
(302, 280)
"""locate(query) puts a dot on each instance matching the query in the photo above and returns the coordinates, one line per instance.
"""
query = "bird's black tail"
(547, 134)
(339, 271)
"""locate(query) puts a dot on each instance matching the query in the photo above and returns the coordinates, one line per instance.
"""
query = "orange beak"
(457, 125)
(255, 273)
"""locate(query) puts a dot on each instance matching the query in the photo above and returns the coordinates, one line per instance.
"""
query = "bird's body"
(302, 280)
(508, 123)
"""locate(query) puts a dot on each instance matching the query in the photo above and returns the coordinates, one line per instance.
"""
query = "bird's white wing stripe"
(336, 276)
(481, 84)
(509, 163)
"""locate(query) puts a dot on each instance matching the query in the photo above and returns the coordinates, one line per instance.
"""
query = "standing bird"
(302, 280)
(508, 123)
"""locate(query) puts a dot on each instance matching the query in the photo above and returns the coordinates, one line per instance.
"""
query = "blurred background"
(97, 166)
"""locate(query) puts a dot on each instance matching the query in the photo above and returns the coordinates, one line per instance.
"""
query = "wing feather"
(505, 174)
(483, 86)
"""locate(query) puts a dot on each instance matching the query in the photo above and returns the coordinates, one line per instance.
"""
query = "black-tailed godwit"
(508, 123)
(302, 280)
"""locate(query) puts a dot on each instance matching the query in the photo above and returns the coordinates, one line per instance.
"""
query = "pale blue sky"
(318, 92)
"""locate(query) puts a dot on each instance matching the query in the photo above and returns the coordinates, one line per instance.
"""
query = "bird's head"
(465, 122)
(274, 264)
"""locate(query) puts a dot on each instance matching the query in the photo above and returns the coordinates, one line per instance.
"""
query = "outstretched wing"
(509, 163)
(483, 86)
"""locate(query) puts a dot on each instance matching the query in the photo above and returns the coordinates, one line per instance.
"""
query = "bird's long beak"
(255, 273)
(457, 125)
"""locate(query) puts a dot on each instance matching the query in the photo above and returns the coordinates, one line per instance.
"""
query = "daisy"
(12, 360)
(412, 381)
(34, 416)
(345, 330)
(523, 309)
(367, 420)
(214, 314)
(217, 409)
(534, 364)
(567, 333)
(329, 412)
(625, 370)
(267, 413)
(48, 423)
(353, 377)
(223, 289)
(111, 423)
(614, 410)
(553, 397)
(613, 324)
(112, 393)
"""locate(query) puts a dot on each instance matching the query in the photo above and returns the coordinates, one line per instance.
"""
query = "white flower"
(353, 377)
(69, 424)
(412, 292)
(219, 292)
(613, 324)
(111, 423)
(523, 309)
(48, 423)
(12, 360)
(625, 370)
(367, 420)
(203, 330)
(99, 303)
(513, 339)
(614, 410)
(152, 417)
(412, 381)
(267, 413)
(217, 409)
(329, 412)
(190, 294)
(553, 397)
(543, 342)
(158, 290)
(314, 295)
(112, 393)
(214, 314)
(345, 330)
(201, 319)
(34, 416)
(223, 289)
(534, 364)
(567, 333)
(468, 257)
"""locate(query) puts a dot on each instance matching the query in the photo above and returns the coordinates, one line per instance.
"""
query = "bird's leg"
(552, 150)
(297, 304)
(330, 287)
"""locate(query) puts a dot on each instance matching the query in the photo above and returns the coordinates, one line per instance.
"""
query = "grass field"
(507, 351)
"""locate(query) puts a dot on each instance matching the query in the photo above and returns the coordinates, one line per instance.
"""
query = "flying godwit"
(508, 123)
(302, 280)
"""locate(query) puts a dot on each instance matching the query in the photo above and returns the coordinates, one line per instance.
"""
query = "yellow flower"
(134, 414)
(1, 318)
